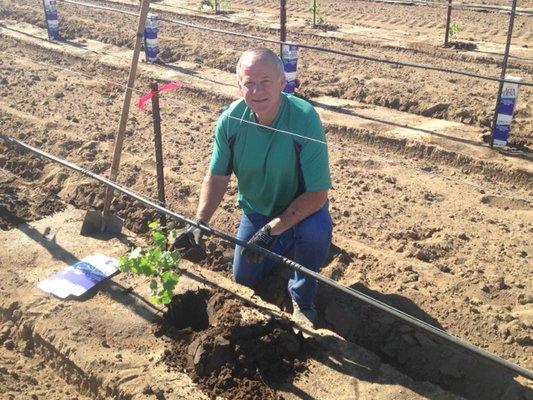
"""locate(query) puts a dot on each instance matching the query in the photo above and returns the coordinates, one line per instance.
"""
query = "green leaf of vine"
(156, 262)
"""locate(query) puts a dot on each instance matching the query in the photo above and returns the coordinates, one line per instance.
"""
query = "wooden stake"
(156, 118)
(282, 24)
(125, 111)
(448, 18)
(504, 70)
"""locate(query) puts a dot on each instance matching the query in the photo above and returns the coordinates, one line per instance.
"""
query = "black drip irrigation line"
(317, 48)
(348, 54)
(404, 317)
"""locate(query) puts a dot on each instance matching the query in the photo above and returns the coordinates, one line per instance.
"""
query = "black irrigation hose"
(291, 264)
(317, 48)
(351, 55)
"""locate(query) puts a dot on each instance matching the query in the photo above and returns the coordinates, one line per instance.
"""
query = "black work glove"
(262, 238)
(190, 243)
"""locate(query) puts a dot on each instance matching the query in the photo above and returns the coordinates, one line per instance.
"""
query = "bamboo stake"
(125, 111)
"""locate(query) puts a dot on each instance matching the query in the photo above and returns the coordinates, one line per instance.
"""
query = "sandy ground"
(388, 35)
(30, 377)
(111, 343)
(428, 220)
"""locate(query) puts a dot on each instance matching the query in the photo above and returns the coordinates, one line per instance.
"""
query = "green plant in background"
(156, 262)
(214, 5)
(206, 3)
(454, 29)
(317, 18)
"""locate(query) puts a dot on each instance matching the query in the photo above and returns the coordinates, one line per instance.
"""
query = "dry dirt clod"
(8, 344)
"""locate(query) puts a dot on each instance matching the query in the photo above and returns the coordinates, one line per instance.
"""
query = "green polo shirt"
(272, 167)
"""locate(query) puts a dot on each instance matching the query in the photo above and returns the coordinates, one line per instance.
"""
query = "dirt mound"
(17, 207)
(21, 165)
(230, 349)
(421, 356)
(19, 201)
(90, 195)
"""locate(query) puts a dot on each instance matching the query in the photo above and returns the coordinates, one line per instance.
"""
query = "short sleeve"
(221, 159)
(314, 156)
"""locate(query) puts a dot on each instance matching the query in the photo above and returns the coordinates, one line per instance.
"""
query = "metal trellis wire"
(181, 103)
(319, 48)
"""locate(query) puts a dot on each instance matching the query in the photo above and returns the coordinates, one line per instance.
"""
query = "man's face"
(261, 85)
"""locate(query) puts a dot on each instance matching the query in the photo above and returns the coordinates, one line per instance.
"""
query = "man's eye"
(249, 84)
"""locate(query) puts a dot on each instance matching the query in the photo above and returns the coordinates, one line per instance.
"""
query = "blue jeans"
(310, 240)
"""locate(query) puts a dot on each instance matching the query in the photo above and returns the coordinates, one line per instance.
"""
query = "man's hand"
(191, 238)
(262, 238)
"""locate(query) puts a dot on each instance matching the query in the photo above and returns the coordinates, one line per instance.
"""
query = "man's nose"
(256, 87)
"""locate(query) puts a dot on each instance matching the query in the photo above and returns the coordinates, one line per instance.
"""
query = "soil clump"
(228, 349)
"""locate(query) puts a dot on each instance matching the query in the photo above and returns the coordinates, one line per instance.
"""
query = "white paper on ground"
(76, 279)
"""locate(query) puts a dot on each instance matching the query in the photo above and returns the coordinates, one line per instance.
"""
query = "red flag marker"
(167, 87)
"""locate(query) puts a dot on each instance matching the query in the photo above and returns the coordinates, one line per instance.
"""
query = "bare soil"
(230, 356)
(429, 229)
(25, 376)
(387, 31)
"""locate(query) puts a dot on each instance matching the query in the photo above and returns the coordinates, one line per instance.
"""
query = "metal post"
(156, 118)
(448, 17)
(217, 7)
(125, 111)
(504, 70)
(282, 24)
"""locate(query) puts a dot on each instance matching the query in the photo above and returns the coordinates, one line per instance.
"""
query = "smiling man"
(274, 143)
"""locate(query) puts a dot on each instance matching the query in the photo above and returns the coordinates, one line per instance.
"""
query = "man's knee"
(244, 277)
(244, 273)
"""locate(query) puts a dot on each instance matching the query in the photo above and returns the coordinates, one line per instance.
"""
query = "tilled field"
(429, 93)
(414, 20)
(444, 243)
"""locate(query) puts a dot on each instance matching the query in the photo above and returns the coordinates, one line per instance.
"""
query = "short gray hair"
(261, 53)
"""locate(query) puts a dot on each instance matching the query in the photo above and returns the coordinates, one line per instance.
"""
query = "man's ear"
(283, 80)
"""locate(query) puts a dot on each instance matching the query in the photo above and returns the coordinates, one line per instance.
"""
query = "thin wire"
(383, 159)
(343, 148)
(181, 103)
(86, 75)
(460, 6)
(101, 7)
(326, 50)
(351, 55)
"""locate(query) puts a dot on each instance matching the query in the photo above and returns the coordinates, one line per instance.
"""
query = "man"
(283, 178)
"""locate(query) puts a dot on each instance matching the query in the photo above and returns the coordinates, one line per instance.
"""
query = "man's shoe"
(306, 317)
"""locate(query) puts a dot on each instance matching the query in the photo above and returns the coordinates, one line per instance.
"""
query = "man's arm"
(211, 194)
(300, 208)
